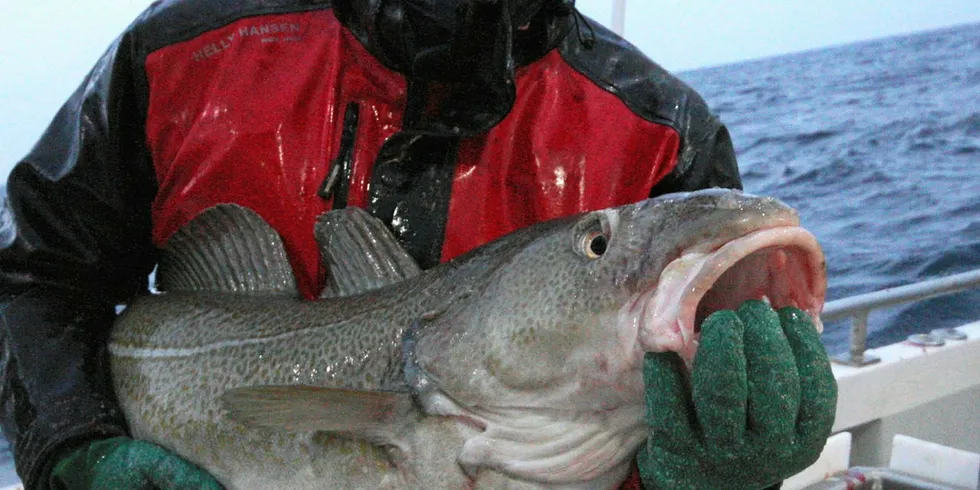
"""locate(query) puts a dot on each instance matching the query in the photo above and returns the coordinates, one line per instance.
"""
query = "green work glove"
(757, 408)
(121, 463)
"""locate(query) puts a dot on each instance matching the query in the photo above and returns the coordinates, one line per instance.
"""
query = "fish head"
(555, 332)
(586, 296)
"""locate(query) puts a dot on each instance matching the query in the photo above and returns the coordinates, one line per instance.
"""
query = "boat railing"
(858, 307)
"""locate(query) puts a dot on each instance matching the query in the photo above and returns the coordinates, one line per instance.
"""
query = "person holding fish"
(453, 122)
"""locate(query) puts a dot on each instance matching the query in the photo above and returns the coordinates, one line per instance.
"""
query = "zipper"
(337, 182)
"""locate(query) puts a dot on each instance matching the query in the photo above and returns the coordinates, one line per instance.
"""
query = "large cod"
(517, 365)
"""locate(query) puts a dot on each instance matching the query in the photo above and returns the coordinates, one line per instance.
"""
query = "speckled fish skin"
(521, 371)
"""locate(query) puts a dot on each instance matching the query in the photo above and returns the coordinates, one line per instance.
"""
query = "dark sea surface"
(878, 145)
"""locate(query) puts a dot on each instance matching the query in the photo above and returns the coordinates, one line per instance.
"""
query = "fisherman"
(453, 121)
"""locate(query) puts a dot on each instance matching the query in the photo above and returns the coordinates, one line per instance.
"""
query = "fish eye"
(594, 244)
(591, 235)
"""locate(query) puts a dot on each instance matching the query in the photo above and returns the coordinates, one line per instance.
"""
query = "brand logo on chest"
(266, 32)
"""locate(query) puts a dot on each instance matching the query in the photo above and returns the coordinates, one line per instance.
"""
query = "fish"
(517, 365)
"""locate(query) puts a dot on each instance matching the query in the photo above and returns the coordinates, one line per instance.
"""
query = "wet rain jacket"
(294, 107)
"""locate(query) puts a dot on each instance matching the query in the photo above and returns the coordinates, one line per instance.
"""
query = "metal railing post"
(619, 17)
(857, 355)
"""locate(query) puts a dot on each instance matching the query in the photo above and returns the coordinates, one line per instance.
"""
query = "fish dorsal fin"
(226, 248)
(373, 415)
(360, 253)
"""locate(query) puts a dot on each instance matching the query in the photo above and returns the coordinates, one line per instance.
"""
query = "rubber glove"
(757, 407)
(121, 463)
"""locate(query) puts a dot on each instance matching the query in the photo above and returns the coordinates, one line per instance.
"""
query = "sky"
(47, 46)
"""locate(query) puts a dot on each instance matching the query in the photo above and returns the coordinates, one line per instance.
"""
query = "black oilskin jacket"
(75, 227)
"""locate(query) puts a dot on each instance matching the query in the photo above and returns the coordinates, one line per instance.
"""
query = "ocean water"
(878, 145)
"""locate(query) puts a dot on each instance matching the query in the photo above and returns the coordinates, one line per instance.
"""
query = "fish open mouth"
(782, 265)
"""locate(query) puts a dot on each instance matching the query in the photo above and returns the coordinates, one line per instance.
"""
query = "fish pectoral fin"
(372, 415)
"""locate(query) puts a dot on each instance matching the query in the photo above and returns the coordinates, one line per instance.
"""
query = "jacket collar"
(460, 79)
